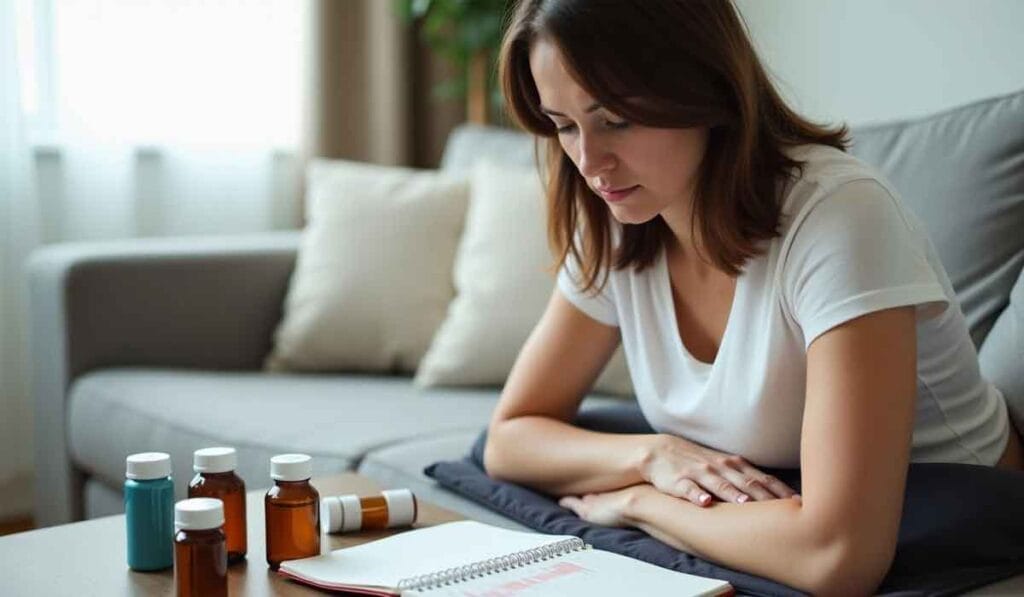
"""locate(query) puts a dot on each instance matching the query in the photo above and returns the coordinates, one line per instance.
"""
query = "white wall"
(868, 60)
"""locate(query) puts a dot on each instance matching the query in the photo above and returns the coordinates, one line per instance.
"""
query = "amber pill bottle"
(200, 549)
(348, 513)
(216, 478)
(292, 510)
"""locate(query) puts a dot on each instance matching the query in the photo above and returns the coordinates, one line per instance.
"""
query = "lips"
(613, 195)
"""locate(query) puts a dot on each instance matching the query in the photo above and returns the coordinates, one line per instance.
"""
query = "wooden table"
(88, 558)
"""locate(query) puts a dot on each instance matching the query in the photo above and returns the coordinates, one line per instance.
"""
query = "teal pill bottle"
(149, 511)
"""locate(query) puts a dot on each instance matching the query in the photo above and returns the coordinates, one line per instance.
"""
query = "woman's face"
(639, 171)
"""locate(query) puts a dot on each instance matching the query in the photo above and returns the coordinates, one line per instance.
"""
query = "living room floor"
(15, 525)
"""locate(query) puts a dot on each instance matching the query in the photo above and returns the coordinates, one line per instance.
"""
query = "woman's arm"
(839, 538)
(530, 439)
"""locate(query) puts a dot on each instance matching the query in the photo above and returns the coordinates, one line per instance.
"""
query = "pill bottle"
(389, 509)
(292, 510)
(149, 511)
(216, 478)
(200, 548)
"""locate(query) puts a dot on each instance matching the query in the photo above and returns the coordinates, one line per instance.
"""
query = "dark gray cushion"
(962, 525)
(962, 173)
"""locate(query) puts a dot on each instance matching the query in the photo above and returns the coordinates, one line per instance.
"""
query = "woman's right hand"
(679, 467)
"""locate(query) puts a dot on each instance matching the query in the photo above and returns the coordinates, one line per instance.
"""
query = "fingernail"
(704, 498)
(743, 499)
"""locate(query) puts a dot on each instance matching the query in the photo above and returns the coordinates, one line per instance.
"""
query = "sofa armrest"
(209, 303)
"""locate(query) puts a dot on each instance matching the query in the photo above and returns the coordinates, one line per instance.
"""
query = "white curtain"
(19, 232)
(127, 118)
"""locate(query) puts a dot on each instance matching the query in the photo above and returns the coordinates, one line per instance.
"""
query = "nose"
(594, 157)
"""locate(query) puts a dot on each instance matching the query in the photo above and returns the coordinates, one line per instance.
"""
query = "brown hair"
(671, 64)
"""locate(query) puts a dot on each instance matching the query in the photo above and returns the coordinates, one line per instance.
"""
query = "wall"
(869, 60)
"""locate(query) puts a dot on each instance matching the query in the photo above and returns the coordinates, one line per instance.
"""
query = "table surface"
(88, 558)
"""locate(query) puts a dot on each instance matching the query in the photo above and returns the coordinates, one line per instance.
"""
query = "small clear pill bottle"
(200, 548)
(350, 513)
(292, 510)
(216, 478)
(149, 511)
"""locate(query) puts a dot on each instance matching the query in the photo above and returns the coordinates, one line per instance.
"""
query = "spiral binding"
(435, 580)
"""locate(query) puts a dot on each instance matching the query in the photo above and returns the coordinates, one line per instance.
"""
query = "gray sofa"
(158, 344)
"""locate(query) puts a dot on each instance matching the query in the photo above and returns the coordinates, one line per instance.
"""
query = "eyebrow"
(594, 106)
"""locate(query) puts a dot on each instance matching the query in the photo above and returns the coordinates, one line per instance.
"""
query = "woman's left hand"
(610, 509)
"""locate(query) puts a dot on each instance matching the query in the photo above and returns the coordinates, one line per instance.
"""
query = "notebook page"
(591, 572)
(421, 551)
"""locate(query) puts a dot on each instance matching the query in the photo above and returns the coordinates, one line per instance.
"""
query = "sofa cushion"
(962, 173)
(372, 279)
(1002, 355)
(99, 499)
(468, 143)
(335, 418)
(502, 284)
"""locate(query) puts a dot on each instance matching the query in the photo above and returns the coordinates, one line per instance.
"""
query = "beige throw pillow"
(502, 284)
(373, 276)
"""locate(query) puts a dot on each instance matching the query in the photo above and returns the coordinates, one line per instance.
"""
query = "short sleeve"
(599, 306)
(854, 252)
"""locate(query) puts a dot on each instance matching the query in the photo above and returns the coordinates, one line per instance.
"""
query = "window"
(223, 73)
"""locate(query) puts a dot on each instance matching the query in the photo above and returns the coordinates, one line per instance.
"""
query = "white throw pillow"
(373, 275)
(502, 285)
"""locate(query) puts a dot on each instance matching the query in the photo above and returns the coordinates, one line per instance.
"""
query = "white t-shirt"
(847, 248)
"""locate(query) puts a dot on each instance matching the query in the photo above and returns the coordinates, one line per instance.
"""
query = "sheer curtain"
(126, 118)
(167, 116)
(19, 232)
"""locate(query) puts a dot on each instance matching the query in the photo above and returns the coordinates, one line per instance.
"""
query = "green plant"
(460, 31)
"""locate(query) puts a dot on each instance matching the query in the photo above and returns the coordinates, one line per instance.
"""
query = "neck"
(685, 241)
(684, 249)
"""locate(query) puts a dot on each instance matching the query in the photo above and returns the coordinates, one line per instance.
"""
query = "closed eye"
(619, 125)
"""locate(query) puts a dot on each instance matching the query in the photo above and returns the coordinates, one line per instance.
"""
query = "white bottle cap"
(344, 513)
(331, 515)
(198, 514)
(401, 507)
(214, 460)
(291, 467)
(149, 465)
(341, 513)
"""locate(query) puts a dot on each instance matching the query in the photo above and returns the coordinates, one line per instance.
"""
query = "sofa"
(159, 344)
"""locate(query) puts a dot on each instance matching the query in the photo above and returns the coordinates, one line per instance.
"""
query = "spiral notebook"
(472, 559)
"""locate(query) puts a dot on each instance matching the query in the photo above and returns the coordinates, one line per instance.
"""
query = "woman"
(777, 305)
